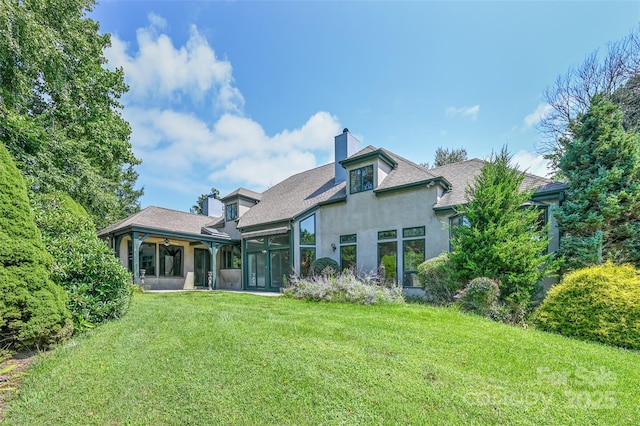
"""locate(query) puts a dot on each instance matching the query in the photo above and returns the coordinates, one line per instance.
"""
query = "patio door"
(257, 270)
(201, 266)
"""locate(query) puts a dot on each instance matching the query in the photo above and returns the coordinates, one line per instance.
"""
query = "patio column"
(137, 242)
(213, 251)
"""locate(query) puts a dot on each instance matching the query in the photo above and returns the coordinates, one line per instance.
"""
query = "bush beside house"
(599, 303)
(99, 288)
(33, 309)
(437, 277)
(344, 287)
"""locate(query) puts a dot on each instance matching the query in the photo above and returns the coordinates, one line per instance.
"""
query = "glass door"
(201, 266)
(256, 270)
(280, 268)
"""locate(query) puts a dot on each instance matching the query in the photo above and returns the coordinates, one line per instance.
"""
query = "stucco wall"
(365, 213)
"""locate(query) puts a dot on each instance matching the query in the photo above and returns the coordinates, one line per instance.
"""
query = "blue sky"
(243, 94)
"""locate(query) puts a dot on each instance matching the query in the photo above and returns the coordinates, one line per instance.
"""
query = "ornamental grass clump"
(345, 287)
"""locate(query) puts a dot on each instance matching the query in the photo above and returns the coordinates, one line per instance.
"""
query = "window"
(413, 255)
(417, 231)
(348, 251)
(361, 179)
(455, 221)
(307, 255)
(307, 244)
(231, 211)
(388, 235)
(147, 257)
(171, 261)
(388, 259)
(231, 258)
(308, 231)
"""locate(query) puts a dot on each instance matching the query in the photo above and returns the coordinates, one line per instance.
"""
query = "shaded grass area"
(221, 358)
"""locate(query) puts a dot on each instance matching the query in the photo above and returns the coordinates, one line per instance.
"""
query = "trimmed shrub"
(345, 288)
(33, 309)
(437, 278)
(99, 288)
(324, 266)
(480, 296)
(599, 303)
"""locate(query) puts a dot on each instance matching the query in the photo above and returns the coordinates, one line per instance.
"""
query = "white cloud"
(159, 71)
(531, 163)
(463, 112)
(183, 151)
(157, 21)
(538, 115)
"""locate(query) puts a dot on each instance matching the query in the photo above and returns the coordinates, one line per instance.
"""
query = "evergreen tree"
(446, 156)
(500, 236)
(600, 218)
(33, 310)
(59, 106)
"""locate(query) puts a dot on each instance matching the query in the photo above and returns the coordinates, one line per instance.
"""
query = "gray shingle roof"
(243, 192)
(462, 174)
(293, 196)
(163, 219)
(305, 190)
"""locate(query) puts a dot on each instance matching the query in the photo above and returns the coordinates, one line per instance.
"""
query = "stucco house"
(369, 207)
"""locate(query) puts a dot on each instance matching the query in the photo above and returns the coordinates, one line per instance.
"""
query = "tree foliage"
(615, 74)
(98, 287)
(600, 218)
(59, 106)
(501, 237)
(33, 310)
(446, 156)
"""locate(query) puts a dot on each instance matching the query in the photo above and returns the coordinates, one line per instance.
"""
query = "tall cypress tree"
(33, 310)
(600, 218)
(500, 237)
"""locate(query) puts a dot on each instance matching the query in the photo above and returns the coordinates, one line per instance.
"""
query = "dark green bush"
(33, 309)
(99, 288)
(480, 296)
(600, 303)
(324, 266)
(436, 276)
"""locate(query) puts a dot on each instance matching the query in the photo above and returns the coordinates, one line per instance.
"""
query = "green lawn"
(222, 358)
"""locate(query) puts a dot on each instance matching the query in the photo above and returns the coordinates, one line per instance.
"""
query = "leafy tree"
(198, 207)
(615, 74)
(98, 287)
(444, 156)
(59, 106)
(600, 218)
(501, 238)
(33, 310)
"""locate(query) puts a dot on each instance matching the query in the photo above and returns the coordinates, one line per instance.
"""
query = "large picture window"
(307, 255)
(348, 252)
(388, 259)
(147, 258)
(171, 258)
(361, 179)
(413, 253)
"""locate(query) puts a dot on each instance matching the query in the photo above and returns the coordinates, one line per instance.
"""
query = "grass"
(222, 358)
